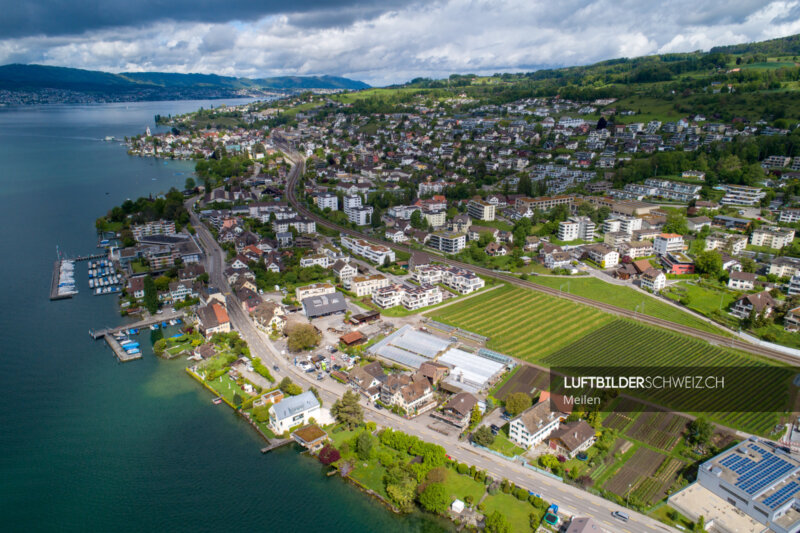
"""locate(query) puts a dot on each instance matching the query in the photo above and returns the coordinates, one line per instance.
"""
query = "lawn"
(227, 388)
(523, 323)
(627, 298)
(371, 476)
(139, 267)
(460, 487)
(517, 512)
(503, 445)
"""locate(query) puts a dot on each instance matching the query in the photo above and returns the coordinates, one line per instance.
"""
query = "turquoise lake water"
(86, 443)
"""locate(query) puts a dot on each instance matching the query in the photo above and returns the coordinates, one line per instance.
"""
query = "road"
(571, 500)
(291, 194)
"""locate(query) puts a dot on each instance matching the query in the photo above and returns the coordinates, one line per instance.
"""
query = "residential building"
(542, 203)
(693, 175)
(463, 281)
(315, 259)
(447, 241)
(576, 228)
(742, 195)
(790, 215)
(481, 210)
(653, 280)
(366, 285)
(402, 212)
(460, 223)
(635, 249)
(458, 409)
(136, 286)
(269, 316)
(793, 288)
(435, 219)
(213, 318)
(760, 302)
(315, 289)
(784, 267)
(773, 237)
(571, 438)
(344, 272)
(677, 263)
(735, 243)
(293, 411)
(157, 227)
(534, 424)
(409, 297)
(724, 221)
(356, 213)
(324, 305)
(395, 235)
(791, 321)
(327, 199)
(603, 255)
(557, 260)
(698, 223)
(180, 290)
(376, 253)
(741, 281)
(583, 524)
(668, 243)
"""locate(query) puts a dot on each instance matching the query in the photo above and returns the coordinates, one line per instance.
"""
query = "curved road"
(713, 338)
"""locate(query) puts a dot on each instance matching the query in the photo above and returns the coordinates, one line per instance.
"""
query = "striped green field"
(523, 323)
(626, 343)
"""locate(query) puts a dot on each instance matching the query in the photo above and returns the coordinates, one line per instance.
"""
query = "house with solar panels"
(758, 478)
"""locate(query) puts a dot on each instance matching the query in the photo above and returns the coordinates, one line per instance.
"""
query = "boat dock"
(62, 282)
(276, 444)
(120, 352)
(147, 322)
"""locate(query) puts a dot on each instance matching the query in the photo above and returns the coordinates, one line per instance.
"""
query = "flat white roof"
(469, 371)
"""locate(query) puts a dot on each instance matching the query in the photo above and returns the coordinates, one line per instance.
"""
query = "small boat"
(217, 400)
(164, 324)
(153, 327)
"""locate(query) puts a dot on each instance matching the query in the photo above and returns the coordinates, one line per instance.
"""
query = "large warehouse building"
(756, 478)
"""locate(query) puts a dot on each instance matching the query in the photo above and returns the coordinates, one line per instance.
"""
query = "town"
(419, 271)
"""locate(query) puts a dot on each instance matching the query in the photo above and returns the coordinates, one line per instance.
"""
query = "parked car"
(494, 429)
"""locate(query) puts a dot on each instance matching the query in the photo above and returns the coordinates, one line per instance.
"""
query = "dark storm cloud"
(22, 18)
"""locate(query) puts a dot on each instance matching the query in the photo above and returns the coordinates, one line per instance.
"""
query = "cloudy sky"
(377, 41)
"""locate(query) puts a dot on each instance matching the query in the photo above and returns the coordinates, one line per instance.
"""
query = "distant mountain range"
(70, 83)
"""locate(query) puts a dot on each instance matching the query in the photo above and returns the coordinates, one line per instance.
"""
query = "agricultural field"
(625, 343)
(627, 298)
(523, 323)
(660, 430)
(645, 477)
(527, 379)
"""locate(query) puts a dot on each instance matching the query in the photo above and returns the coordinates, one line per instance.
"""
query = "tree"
(748, 264)
(302, 337)
(602, 123)
(524, 185)
(190, 183)
(434, 498)
(417, 221)
(475, 416)
(289, 388)
(347, 410)
(700, 431)
(162, 283)
(364, 445)
(516, 402)
(497, 523)
(708, 263)
(150, 295)
(676, 223)
(483, 436)
(548, 461)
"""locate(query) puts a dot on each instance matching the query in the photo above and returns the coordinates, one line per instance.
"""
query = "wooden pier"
(276, 444)
(120, 352)
(146, 323)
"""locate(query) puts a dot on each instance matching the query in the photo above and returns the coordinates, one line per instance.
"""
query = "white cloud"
(400, 43)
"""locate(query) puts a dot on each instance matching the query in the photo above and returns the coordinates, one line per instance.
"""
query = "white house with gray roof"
(293, 411)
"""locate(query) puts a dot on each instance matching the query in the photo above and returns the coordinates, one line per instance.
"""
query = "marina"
(103, 277)
(62, 284)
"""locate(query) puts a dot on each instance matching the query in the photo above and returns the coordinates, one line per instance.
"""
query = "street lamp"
(628, 495)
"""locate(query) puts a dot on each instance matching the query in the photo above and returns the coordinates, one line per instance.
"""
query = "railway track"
(291, 188)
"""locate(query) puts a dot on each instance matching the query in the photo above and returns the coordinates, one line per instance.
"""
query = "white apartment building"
(773, 237)
(622, 224)
(635, 249)
(366, 285)
(402, 212)
(784, 267)
(719, 241)
(293, 411)
(794, 285)
(409, 297)
(374, 252)
(327, 199)
(345, 272)
(447, 241)
(436, 219)
(158, 227)
(742, 195)
(668, 243)
(360, 216)
(315, 289)
(603, 255)
(315, 259)
(790, 215)
(534, 425)
(576, 228)
(463, 281)
(395, 235)
(481, 210)
(742, 281)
